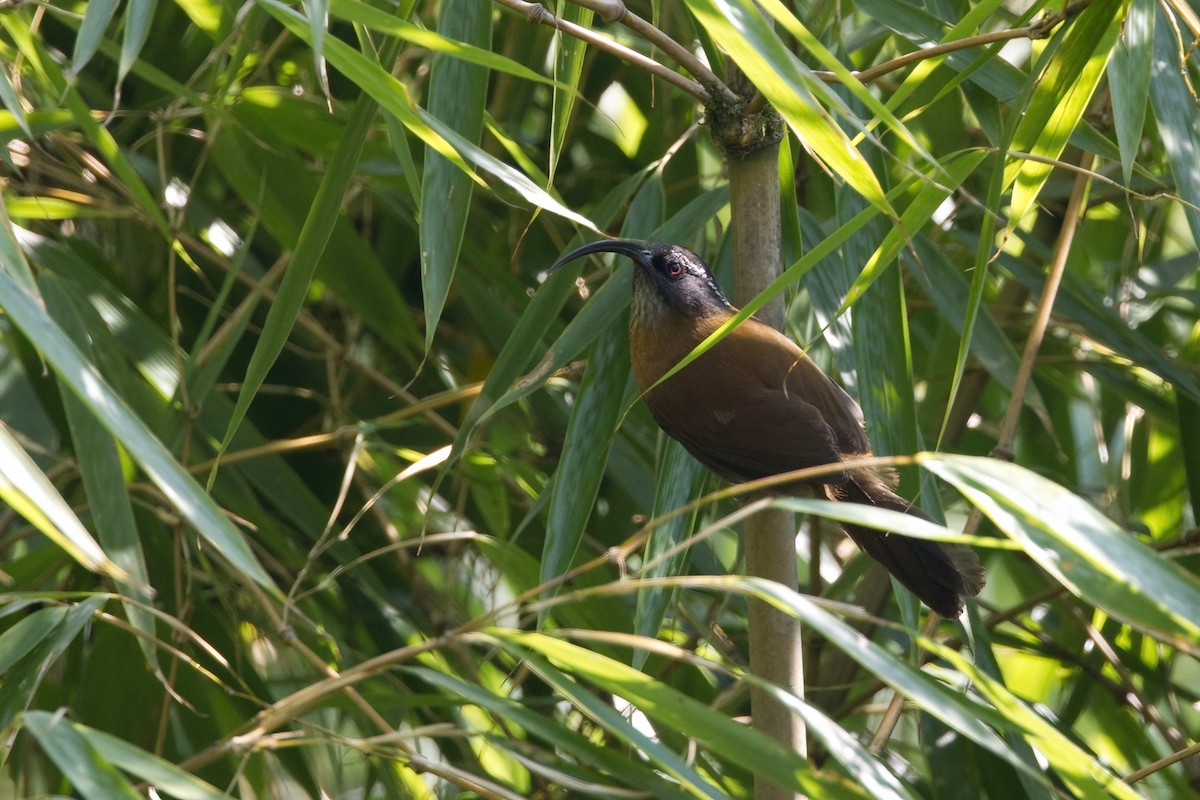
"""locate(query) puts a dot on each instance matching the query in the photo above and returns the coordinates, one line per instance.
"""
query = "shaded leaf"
(457, 93)
(90, 774)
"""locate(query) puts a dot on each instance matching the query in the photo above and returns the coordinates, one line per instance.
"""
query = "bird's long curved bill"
(625, 247)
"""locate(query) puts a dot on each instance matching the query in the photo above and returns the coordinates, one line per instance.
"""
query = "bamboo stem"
(776, 651)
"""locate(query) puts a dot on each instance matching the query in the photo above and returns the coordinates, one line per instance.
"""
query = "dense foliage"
(317, 486)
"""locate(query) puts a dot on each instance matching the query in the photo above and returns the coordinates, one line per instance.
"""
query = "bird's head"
(668, 278)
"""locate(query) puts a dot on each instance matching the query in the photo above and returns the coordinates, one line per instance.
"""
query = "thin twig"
(292, 706)
(707, 84)
(1058, 262)
(1127, 688)
(1163, 763)
(344, 433)
(1038, 30)
(616, 11)
(289, 637)
(1041, 320)
(891, 717)
(537, 14)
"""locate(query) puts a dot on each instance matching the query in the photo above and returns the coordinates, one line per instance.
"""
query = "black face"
(680, 278)
(668, 275)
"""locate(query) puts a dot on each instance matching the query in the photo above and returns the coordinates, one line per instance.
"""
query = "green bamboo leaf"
(882, 379)
(511, 178)
(103, 476)
(1102, 323)
(392, 96)
(689, 222)
(368, 289)
(26, 673)
(1064, 89)
(956, 168)
(960, 712)
(1173, 100)
(502, 387)
(667, 706)
(1084, 550)
(371, 78)
(999, 80)
(139, 14)
(16, 111)
(27, 313)
(1016, 783)
(318, 22)
(848, 81)
(519, 154)
(740, 28)
(981, 268)
(614, 766)
(27, 633)
(924, 73)
(310, 246)
(42, 208)
(12, 258)
(133, 333)
(99, 136)
(1129, 79)
(883, 519)
(149, 768)
(1159, 506)
(826, 281)
(1085, 775)
(602, 394)
(868, 770)
(435, 41)
(790, 230)
(25, 489)
(141, 341)
(568, 67)
(606, 303)
(1188, 412)
(208, 15)
(457, 94)
(679, 479)
(86, 770)
(96, 16)
(922, 28)
(945, 285)
(398, 138)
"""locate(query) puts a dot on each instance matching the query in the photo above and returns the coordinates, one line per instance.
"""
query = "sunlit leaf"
(1063, 92)
(1084, 550)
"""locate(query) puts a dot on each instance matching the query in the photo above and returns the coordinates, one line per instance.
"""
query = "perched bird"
(754, 405)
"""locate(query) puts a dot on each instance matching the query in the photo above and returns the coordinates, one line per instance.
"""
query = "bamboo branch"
(1163, 763)
(1038, 30)
(1058, 265)
(537, 14)
(708, 86)
(615, 11)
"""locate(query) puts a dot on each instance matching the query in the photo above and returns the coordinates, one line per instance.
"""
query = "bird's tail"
(940, 574)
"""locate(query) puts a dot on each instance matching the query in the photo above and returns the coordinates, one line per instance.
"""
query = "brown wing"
(754, 405)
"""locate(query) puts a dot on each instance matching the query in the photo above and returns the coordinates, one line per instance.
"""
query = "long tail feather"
(939, 574)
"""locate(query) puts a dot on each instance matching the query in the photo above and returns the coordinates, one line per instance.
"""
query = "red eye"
(674, 269)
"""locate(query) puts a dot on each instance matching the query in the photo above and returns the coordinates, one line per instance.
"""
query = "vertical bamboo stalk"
(770, 537)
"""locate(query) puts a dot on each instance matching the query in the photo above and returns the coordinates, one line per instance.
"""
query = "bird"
(754, 405)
